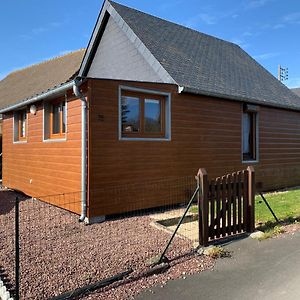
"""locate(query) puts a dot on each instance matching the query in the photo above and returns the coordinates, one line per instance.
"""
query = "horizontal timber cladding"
(40, 168)
(205, 132)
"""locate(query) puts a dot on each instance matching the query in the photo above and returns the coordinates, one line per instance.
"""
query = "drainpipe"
(76, 90)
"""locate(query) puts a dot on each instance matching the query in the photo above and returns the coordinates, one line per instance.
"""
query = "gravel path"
(59, 254)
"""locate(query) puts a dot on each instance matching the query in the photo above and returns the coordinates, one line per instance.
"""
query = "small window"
(143, 115)
(250, 142)
(54, 120)
(58, 120)
(20, 126)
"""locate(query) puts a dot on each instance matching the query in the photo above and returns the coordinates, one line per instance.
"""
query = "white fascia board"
(93, 38)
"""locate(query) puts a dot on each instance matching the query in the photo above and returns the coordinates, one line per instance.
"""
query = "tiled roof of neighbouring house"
(205, 64)
(36, 79)
(296, 91)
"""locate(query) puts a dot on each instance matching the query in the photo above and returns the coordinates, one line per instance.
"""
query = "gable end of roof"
(108, 9)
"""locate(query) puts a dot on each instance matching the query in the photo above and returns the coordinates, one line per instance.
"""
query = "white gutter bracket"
(180, 89)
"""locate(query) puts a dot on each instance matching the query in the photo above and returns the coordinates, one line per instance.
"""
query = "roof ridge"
(43, 62)
(174, 23)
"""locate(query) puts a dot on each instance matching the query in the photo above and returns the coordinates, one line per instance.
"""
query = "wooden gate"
(225, 205)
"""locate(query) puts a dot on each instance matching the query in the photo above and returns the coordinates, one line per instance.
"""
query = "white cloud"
(208, 19)
(210, 16)
(247, 33)
(3, 74)
(278, 26)
(293, 18)
(293, 82)
(168, 5)
(39, 30)
(255, 4)
(200, 18)
(240, 42)
(64, 52)
(55, 24)
(264, 56)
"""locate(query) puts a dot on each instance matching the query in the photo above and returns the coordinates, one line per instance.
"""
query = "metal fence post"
(17, 250)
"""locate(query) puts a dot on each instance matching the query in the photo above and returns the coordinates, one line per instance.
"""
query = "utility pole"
(283, 73)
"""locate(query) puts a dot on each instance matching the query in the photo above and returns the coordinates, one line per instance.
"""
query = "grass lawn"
(285, 204)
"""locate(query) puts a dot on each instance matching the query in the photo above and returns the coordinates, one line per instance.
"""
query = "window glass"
(249, 136)
(152, 115)
(246, 133)
(56, 119)
(64, 117)
(23, 117)
(130, 114)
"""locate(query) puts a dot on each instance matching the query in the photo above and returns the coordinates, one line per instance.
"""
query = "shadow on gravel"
(138, 276)
(8, 200)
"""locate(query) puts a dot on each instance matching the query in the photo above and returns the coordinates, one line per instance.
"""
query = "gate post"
(251, 200)
(203, 206)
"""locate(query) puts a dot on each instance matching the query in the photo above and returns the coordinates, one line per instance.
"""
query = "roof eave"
(50, 93)
(236, 98)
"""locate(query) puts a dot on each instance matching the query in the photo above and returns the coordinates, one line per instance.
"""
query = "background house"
(296, 91)
(163, 100)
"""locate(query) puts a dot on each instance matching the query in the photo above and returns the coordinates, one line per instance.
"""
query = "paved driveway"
(257, 270)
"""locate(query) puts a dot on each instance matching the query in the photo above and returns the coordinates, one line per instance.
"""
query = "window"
(143, 115)
(20, 126)
(58, 120)
(250, 136)
(55, 120)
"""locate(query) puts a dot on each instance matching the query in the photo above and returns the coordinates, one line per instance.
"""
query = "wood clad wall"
(206, 132)
(40, 168)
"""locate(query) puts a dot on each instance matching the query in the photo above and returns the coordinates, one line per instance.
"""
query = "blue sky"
(268, 30)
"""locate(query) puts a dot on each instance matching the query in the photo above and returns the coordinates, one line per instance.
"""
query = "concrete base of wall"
(93, 220)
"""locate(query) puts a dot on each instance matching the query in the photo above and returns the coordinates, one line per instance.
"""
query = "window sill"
(54, 140)
(145, 139)
(20, 142)
(250, 161)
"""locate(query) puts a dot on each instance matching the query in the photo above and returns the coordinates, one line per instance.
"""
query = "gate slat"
(228, 206)
(234, 177)
(218, 206)
(245, 199)
(212, 209)
(239, 192)
(223, 206)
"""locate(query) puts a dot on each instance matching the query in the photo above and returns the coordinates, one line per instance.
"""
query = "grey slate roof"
(296, 91)
(36, 79)
(207, 65)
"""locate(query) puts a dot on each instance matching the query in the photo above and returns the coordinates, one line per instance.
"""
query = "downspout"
(76, 90)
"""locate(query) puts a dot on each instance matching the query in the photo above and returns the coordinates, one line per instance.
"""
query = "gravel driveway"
(59, 254)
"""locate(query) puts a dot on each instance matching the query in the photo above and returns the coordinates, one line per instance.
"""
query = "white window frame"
(167, 114)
